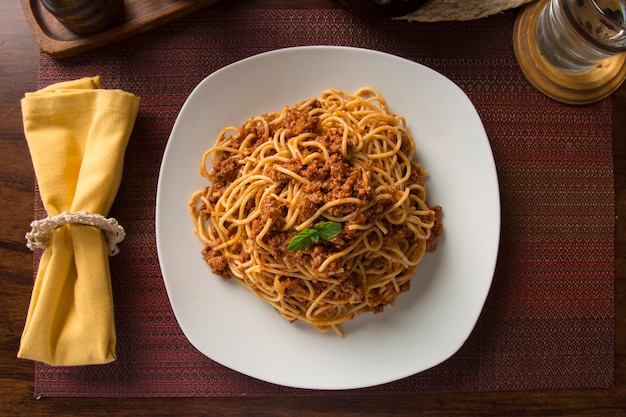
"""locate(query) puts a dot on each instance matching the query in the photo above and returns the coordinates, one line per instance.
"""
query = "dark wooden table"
(18, 74)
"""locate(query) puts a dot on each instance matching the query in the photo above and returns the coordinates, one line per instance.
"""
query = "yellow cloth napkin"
(77, 135)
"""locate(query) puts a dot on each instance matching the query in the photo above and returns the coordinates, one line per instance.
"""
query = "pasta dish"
(318, 209)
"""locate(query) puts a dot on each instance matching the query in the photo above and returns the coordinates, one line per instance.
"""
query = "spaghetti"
(340, 159)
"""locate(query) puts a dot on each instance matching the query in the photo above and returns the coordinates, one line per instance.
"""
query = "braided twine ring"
(42, 230)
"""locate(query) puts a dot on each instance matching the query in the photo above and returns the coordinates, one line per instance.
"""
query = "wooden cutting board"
(138, 16)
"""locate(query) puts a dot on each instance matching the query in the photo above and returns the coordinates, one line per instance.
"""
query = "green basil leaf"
(306, 237)
(302, 240)
(327, 230)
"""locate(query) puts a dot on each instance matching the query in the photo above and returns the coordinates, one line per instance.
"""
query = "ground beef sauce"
(332, 180)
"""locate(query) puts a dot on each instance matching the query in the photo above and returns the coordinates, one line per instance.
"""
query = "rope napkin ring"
(41, 230)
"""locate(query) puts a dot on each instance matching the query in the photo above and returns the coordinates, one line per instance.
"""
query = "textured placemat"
(548, 321)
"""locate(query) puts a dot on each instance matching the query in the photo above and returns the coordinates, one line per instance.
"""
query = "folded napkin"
(77, 135)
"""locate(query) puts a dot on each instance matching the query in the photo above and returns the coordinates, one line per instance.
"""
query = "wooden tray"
(138, 16)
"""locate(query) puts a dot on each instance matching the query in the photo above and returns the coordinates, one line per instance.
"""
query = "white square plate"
(427, 324)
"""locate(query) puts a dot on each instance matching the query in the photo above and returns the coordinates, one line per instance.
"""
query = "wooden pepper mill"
(85, 16)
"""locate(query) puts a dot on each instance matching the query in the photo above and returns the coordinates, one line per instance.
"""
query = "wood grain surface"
(18, 74)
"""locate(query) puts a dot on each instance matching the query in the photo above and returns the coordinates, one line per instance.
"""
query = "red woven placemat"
(549, 319)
